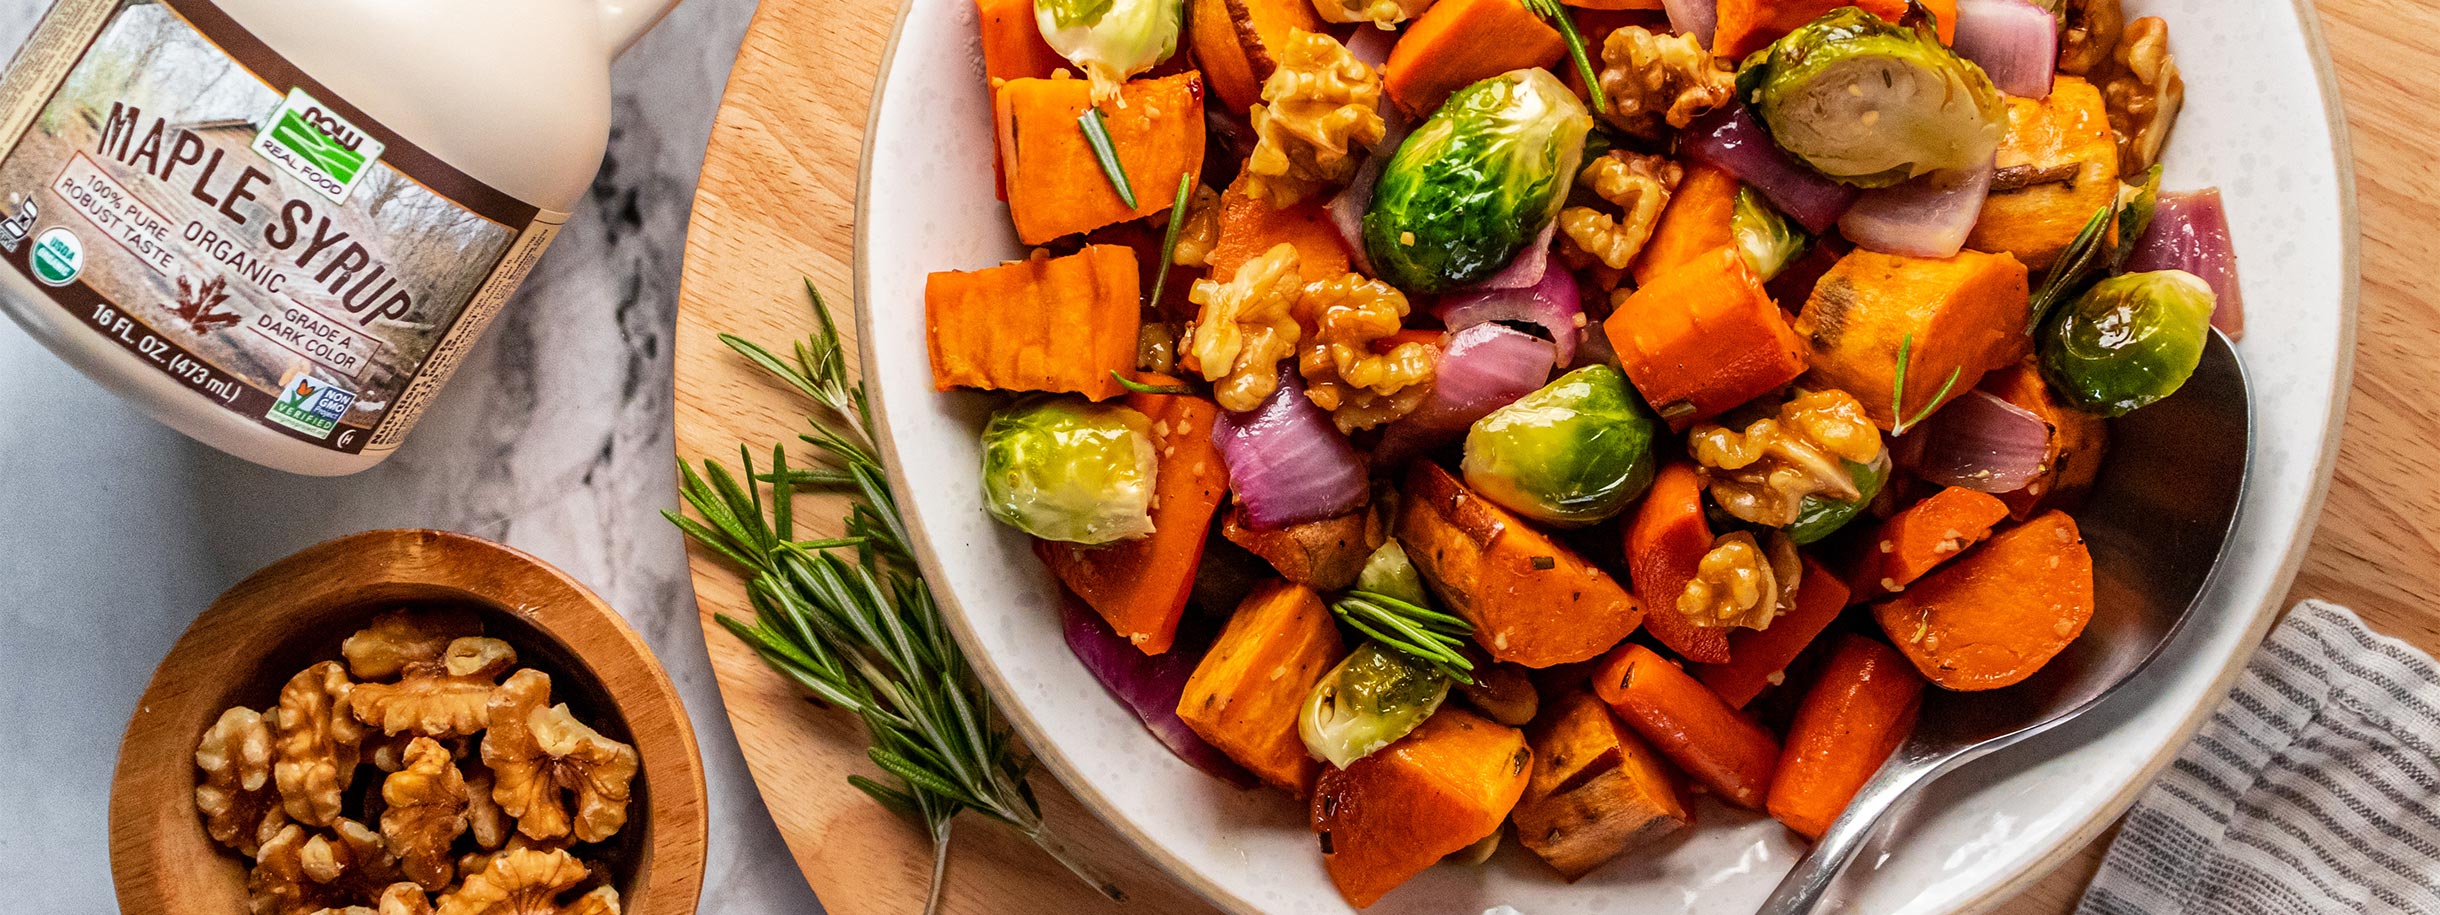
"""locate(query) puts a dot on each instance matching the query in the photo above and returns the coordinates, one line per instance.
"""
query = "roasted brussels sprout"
(1477, 182)
(1388, 572)
(1062, 468)
(1111, 40)
(1571, 454)
(1770, 241)
(1872, 103)
(1367, 702)
(1820, 516)
(2128, 341)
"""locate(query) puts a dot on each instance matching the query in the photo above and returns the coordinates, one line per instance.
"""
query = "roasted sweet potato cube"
(1994, 616)
(1245, 696)
(1234, 40)
(1040, 324)
(1250, 226)
(1532, 601)
(1055, 184)
(2058, 165)
(1963, 315)
(1597, 789)
(1386, 817)
(1703, 337)
(1457, 42)
(1325, 555)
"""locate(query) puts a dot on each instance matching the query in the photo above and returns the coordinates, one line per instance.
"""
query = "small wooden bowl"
(295, 612)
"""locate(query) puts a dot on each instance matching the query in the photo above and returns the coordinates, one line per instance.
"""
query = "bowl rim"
(2019, 875)
(147, 836)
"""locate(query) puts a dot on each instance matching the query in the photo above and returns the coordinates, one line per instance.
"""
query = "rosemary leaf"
(1139, 387)
(1169, 237)
(1097, 135)
(1557, 16)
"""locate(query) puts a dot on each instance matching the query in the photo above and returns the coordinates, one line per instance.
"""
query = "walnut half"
(425, 812)
(1763, 474)
(2144, 94)
(1321, 109)
(1659, 82)
(1639, 186)
(443, 699)
(315, 745)
(1343, 374)
(529, 882)
(537, 751)
(239, 808)
(1245, 326)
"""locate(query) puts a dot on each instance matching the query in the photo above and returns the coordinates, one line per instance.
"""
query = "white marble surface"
(554, 437)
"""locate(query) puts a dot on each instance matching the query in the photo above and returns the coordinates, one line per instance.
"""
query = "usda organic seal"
(58, 257)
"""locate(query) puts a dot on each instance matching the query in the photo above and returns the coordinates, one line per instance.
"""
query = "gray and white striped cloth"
(2315, 788)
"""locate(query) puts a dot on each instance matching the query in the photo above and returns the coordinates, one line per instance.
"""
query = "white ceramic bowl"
(2261, 122)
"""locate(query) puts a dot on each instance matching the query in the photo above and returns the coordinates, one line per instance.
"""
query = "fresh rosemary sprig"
(1423, 633)
(1897, 394)
(1557, 16)
(1169, 237)
(850, 619)
(1097, 135)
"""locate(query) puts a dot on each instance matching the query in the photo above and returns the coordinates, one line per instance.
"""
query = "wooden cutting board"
(775, 207)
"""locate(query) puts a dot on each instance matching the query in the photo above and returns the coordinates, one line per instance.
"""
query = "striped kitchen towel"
(2315, 788)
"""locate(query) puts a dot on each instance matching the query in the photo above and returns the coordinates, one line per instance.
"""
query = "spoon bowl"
(2158, 517)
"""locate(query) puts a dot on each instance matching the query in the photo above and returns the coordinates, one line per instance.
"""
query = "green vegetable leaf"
(2080, 263)
(1417, 631)
(1097, 135)
(1897, 395)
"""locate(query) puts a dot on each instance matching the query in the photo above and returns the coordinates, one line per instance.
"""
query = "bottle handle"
(624, 21)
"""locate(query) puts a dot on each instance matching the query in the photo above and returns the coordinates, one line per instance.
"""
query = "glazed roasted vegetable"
(1111, 40)
(1458, 42)
(1388, 816)
(1858, 711)
(1758, 658)
(2057, 164)
(1250, 226)
(1666, 543)
(1248, 693)
(1597, 790)
(1571, 454)
(1532, 601)
(2128, 341)
(1960, 316)
(1713, 743)
(1769, 240)
(1060, 468)
(1476, 183)
(2071, 460)
(1388, 571)
(1236, 43)
(1704, 338)
(1873, 103)
(1746, 26)
(1928, 533)
(1700, 219)
(1370, 700)
(1820, 516)
(1056, 185)
(1994, 616)
(1059, 324)
(1324, 555)
(1140, 587)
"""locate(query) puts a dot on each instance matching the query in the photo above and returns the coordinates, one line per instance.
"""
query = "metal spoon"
(2156, 521)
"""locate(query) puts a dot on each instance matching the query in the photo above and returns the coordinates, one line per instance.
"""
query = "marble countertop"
(554, 437)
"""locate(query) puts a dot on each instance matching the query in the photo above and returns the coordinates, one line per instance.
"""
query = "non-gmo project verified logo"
(308, 140)
(310, 405)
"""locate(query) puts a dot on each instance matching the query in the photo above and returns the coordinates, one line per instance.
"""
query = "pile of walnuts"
(479, 785)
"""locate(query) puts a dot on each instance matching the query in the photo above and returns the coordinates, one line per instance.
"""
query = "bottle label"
(193, 198)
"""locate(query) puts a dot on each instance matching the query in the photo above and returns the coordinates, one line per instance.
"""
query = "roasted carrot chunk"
(1997, 614)
(1386, 817)
(1532, 601)
(1597, 789)
(1012, 44)
(1757, 656)
(1140, 586)
(1746, 26)
(1458, 42)
(1926, 534)
(1703, 337)
(1695, 223)
(1245, 696)
(2058, 165)
(2078, 440)
(1857, 713)
(1249, 227)
(1962, 315)
(1665, 544)
(1055, 185)
(1713, 743)
(1041, 324)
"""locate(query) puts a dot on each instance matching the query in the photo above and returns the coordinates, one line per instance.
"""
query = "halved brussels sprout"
(2128, 341)
(1769, 240)
(1818, 516)
(1477, 182)
(1571, 454)
(1062, 468)
(1367, 702)
(1111, 39)
(1872, 103)
(1389, 573)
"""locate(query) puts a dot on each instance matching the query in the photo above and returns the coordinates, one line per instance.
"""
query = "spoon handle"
(1801, 891)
